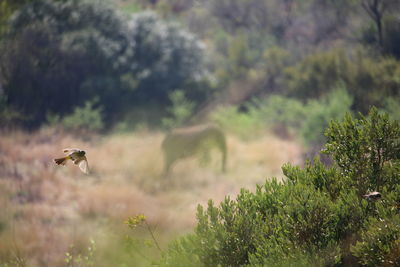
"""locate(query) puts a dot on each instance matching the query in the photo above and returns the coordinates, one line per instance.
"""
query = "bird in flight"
(77, 156)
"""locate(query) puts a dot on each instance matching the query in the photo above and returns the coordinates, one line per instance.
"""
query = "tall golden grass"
(46, 208)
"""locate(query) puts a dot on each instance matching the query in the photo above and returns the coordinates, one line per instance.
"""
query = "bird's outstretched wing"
(70, 150)
(84, 166)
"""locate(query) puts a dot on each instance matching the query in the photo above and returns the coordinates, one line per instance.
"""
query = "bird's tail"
(61, 161)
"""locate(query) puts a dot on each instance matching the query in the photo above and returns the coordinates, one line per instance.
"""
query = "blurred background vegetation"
(260, 69)
(128, 57)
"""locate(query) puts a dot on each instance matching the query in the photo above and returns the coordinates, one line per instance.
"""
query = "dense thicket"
(59, 55)
(317, 216)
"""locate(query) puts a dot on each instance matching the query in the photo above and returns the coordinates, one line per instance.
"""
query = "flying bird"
(77, 156)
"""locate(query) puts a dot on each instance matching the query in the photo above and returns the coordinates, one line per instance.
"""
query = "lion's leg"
(221, 143)
(168, 162)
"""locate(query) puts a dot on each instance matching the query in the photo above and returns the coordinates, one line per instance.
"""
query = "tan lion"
(185, 142)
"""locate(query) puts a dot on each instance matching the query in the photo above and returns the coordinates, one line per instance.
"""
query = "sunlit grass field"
(49, 210)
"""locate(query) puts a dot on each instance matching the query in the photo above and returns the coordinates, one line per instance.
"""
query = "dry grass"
(46, 208)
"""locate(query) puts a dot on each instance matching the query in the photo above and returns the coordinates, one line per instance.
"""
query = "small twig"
(152, 235)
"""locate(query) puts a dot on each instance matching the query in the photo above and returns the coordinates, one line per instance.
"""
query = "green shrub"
(318, 114)
(392, 107)
(278, 110)
(368, 80)
(306, 121)
(59, 54)
(180, 110)
(316, 214)
(243, 124)
(316, 74)
(87, 117)
(380, 243)
(182, 253)
(365, 149)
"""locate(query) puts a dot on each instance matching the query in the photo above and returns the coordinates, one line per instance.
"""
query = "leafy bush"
(380, 243)
(367, 150)
(392, 107)
(86, 117)
(368, 80)
(316, 214)
(279, 110)
(180, 110)
(243, 124)
(287, 115)
(318, 114)
(60, 54)
(54, 49)
(316, 74)
(163, 57)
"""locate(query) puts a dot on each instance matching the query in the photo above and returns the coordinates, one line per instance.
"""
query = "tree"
(164, 58)
(368, 80)
(376, 10)
(54, 52)
(59, 55)
(238, 15)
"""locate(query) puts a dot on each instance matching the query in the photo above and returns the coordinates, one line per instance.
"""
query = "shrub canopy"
(317, 215)
(60, 54)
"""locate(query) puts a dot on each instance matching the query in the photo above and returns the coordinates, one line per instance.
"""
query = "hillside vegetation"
(317, 215)
(307, 93)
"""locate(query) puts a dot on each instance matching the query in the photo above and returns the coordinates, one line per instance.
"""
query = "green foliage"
(58, 55)
(242, 124)
(380, 243)
(316, 214)
(164, 57)
(180, 110)
(368, 80)
(307, 121)
(277, 109)
(318, 114)
(247, 56)
(55, 50)
(87, 117)
(316, 74)
(7, 7)
(182, 253)
(273, 61)
(365, 149)
(392, 107)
